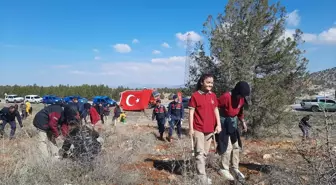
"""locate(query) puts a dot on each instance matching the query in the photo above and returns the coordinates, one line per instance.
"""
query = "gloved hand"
(181, 121)
(100, 140)
(59, 141)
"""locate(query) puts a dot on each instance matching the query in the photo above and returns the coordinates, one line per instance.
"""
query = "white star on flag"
(137, 100)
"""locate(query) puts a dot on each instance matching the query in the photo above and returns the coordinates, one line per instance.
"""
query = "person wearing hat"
(7, 115)
(160, 114)
(231, 105)
(175, 117)
(47, 121)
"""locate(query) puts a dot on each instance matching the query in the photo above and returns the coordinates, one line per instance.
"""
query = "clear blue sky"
(127, 42)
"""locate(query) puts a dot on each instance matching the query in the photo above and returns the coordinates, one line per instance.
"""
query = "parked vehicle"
(185, 102)
(33, 98)
(155, 96)
(51, 99)
(68, 99)
(104, 100)
(319, 104)
(13, 98)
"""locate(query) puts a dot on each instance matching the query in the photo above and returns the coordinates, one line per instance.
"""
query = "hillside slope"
(325, 78)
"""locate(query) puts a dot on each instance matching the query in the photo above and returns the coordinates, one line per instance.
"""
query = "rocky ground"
(132, 155)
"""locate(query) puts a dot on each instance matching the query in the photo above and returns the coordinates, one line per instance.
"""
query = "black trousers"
(102, 118)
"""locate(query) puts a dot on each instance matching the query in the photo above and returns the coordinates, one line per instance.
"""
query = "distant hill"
(325, 78)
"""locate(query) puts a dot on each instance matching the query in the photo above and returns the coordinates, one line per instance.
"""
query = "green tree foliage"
(248, 43)
(87, 91)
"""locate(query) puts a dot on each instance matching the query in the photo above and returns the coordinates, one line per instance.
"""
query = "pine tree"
(248, 43)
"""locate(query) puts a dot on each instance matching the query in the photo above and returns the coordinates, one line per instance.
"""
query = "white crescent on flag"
(127, 99)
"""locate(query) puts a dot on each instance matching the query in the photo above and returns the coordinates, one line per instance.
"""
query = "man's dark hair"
(70, 113)
(201, 80)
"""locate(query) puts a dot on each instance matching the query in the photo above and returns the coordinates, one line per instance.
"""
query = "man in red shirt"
(231, 110)
(203, 122)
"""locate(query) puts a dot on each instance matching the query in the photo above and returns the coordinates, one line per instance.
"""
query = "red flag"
(179, 95)
(135, 100)
(94, 116)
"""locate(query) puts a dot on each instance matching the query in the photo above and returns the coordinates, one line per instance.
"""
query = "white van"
(13, 98)
(33, 98)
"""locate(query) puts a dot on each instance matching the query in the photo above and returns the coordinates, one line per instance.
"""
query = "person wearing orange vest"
(160, 114)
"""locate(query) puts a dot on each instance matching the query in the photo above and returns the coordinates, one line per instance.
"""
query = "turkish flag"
(94, 116)
(135, 100)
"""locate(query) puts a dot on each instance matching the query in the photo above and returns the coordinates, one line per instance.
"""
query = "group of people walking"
(174, 115)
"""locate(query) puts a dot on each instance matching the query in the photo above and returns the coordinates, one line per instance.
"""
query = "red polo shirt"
(231, 107)
(204, 105)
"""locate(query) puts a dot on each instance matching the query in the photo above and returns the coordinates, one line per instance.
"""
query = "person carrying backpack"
(231, 107)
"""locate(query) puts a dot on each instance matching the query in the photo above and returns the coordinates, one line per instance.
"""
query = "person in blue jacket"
(175, 117)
